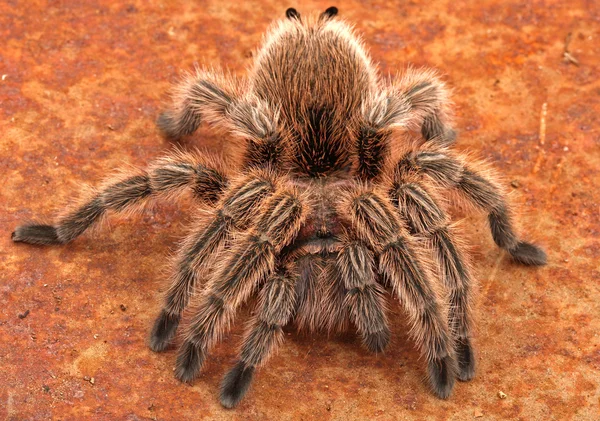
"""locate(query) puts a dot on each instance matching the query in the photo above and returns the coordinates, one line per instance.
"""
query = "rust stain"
(84, 82)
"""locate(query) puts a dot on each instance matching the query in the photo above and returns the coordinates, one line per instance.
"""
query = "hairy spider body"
(321, 219)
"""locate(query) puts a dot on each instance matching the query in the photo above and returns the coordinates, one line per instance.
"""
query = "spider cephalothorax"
(321, 218)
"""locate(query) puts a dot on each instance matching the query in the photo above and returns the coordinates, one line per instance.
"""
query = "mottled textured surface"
(82, 84)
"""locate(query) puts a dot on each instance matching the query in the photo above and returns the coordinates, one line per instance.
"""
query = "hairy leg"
(418, 100)
(309, 268)
(428, 99)
(405, 269)
(251, 261)
(220, 100)
(167, 176)
(427, 219)
(232, 214)
(479, 190)
(204, 94)
(364, 297)
(275, 307)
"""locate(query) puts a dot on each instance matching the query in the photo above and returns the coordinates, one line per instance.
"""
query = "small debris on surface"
(96, 336)
(151, 407)
(23, 315)
(4, 77)
(570, 59)
(46, 388)
(123, 307)
(89, 379)
(58, 302)
(501, 395)
(110, 127)
(515, 184)
(567, 56)
(478, 413)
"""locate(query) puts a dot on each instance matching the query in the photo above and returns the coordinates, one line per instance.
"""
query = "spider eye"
(330, 12)
(292, 13)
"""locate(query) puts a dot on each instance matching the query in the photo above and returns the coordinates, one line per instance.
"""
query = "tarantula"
(321, 218)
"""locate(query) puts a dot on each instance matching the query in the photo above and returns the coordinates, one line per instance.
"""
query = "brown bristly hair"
(323, 212)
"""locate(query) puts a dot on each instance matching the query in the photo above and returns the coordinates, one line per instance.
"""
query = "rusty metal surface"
(81, 86)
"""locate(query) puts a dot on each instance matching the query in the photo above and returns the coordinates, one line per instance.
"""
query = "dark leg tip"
(235, 384)
(377, 342)
(466, 360)
(330, 12)
(166, 126)
(189, 362)
(36, 234)
(450, 137)
(441, 376)
(433, 130)
(528, 254)
(292, 13)
(163, 331)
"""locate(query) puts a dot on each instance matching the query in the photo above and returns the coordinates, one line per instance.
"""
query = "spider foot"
(528, 254)
(167, 126)
(377, 342)
(466, 360)
(441, 376)
(235, 384)
(450, 137)
(446, 139)
(163, 331)
(36, 234)
(189, 362)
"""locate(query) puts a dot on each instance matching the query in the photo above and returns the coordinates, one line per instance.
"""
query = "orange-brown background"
(83, 85)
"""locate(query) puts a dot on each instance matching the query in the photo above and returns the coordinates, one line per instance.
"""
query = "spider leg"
(252, 261)
(333, 306)
(203, 94)
(404, 268)
(167, 176)
(264, 334)
(364, 297)
(417, 100)
(426, 218)
(479, 190)
(232, 214)
(427, 97)
(220, 100)
(309, 268)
